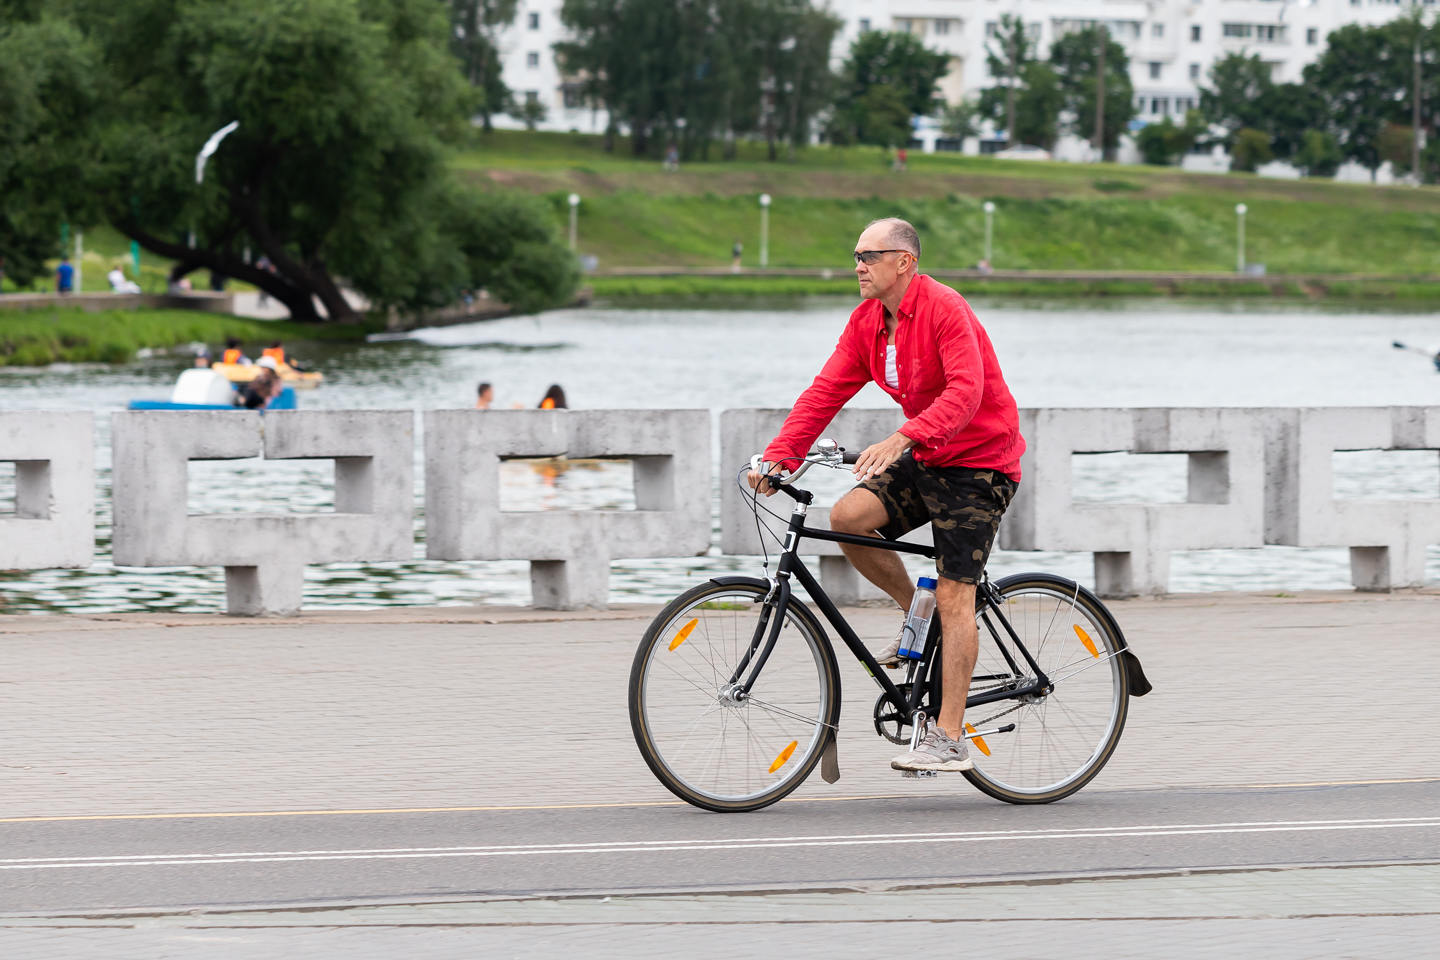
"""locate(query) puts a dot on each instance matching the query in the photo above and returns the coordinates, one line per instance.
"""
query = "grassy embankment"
(37, 337)
(1357, 240)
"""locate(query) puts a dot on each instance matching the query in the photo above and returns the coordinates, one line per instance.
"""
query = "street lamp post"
(989, 227)
(206, 152)
(764, 229)
(574, 218)
(1240, 209)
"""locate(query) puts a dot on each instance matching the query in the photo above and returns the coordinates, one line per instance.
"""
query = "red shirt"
(961, 412)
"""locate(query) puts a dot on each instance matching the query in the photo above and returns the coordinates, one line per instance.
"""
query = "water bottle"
(917, 621)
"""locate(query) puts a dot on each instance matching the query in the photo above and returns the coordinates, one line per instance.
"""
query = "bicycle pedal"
(917, 774)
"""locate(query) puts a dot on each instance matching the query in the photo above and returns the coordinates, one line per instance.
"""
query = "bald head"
(898, 234)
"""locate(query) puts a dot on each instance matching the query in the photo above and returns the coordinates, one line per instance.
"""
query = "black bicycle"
(735, 690)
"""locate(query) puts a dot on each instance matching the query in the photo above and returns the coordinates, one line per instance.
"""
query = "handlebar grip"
(849, 457)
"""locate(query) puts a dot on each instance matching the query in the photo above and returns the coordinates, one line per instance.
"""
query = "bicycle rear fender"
(1138, 683)
(830, 755)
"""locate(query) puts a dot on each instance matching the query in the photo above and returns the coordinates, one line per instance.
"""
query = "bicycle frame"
(767, 629)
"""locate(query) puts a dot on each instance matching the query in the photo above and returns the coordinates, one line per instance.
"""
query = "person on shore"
(554, 398)
(954, 463)
(65, 276)
(736, 249)
(484, 396)
(119, 283)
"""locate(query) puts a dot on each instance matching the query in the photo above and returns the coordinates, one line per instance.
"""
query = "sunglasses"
(873, 256)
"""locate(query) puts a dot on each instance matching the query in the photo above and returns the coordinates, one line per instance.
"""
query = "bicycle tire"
(758, 755)
(1063, 739)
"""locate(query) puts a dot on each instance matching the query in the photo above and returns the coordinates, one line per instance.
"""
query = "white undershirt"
(892, 375)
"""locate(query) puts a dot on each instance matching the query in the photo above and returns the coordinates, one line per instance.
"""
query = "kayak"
(245, 372)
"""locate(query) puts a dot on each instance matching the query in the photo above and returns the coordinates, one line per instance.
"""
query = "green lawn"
(37, 337)
(1049, 216)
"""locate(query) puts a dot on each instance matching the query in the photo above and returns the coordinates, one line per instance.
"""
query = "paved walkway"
(406, 709)
(133, 713)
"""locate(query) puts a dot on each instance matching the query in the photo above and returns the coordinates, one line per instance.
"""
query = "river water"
(1136, 353)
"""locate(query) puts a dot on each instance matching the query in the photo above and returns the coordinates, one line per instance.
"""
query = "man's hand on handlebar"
(877, 457)
(756, 478)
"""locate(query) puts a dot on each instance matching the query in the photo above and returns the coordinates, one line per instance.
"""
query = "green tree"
(1394, 143)
(795, 53)
(1319, 155)
(1038, 105)
(1239, 95)
(1155, 140)
(48, 96)
(960, 121)
(1006, 55)
(1075, 58)
(885, 60)
(474, 25)
(1365, 80)
(1250, 150)
(336, 170)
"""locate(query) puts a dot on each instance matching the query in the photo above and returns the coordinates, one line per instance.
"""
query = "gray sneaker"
(936, 752)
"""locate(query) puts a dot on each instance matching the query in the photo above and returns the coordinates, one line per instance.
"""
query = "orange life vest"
(231, 356)
(547, 404)
(277, 352)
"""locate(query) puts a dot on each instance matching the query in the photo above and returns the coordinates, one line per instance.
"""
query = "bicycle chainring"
(891, 722)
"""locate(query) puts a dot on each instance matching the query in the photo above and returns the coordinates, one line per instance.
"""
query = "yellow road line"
(520, 808)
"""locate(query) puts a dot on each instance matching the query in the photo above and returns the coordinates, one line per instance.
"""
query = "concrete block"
(54, 520)
(569, 550)
(1387, 538)
(1132, 542)
(264, 555)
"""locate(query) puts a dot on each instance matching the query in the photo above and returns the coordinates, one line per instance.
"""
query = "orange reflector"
(978, 741)
(684, 632)
(1085, 639)
(784, 755)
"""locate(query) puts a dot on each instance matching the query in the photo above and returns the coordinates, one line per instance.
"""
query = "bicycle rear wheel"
(707, 747)
(1061, 739)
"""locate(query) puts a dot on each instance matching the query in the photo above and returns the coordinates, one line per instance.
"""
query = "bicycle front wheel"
(1061, 738)
(708, 746)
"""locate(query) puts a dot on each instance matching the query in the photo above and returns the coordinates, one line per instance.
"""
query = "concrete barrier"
(569, 550)
(54, 520)
(1132, 542)
(1387, 538)
(1254, 476)
(264, 555)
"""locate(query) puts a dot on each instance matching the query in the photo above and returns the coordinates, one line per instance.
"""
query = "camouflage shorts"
(963, 504)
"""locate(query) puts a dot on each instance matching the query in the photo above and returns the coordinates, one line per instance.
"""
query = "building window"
(1160, 106)
(1032, 30)
(534, 21)
(1155, 66)
(1157, 30)
(1194, 71)
(572, 95)
(1312, 36)
(1269, 33)
(1194, 33)
(532, 60)
(903, 25)
(992, 29)
(942, 27)
(532, 96)
(1239, 31)
(864, 24)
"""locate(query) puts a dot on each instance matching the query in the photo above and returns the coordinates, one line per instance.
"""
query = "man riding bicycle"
(955, 463)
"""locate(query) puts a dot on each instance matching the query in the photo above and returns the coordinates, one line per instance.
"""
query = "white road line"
(727, 843)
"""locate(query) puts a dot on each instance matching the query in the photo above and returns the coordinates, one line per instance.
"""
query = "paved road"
(55, 867)
(193, 745)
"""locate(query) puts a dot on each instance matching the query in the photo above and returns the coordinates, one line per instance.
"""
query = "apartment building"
(1171, 43)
